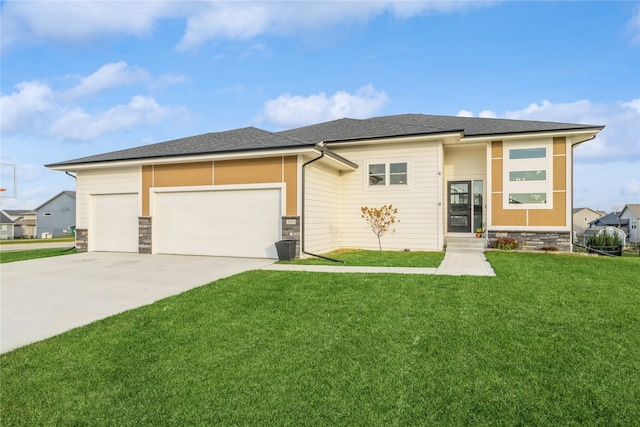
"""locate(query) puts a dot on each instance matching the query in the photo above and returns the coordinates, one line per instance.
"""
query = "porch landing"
(464, 256)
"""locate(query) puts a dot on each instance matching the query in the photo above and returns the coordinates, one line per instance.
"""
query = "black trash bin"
(286, 250)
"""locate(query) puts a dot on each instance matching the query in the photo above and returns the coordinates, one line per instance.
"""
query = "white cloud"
(20, 108)
(26, 22)
(37, 107)
(108, 76)
(79, 125)
(296, 110)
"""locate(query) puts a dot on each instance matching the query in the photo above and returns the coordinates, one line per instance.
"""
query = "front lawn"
(12, 256)
(376, 258)
(552, 340)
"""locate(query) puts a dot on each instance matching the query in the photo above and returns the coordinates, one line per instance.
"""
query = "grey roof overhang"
(234, 141)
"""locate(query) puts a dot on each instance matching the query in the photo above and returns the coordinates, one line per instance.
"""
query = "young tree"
(380, 220)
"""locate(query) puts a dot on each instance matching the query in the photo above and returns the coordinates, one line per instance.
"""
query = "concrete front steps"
(464, 243)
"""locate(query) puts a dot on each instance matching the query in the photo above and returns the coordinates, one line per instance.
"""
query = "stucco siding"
(103, 181)
(322, 209)
(417, 202)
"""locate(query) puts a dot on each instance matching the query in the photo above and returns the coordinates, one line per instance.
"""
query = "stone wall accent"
(144, 235)
(535, 240)
(291, 230)
(82, 240)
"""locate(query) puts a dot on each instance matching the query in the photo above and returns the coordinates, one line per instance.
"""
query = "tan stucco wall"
(530, 217)
(224, 172)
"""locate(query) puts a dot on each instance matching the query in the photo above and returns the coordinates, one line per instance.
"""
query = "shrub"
(604, 239)
(505, 243)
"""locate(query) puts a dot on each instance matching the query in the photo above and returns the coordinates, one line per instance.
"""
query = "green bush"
(604, 239)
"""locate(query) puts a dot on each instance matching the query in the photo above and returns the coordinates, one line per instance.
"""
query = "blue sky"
(83, 78)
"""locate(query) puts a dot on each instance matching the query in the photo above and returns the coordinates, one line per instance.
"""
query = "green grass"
(28, 241)
(12, 256)
(552, 340)
(376, 258)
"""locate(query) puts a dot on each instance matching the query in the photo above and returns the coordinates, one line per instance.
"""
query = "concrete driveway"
(45, 297)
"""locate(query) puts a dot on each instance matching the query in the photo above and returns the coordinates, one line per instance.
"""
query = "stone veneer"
(534, 240)
(82, 240)
(291, 231)
(144, 235)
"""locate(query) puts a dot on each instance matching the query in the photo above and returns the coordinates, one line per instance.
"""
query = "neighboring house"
(631, 213)
(236, 193)
(581, 219)
(56, 216)
(6, 227)
(24, 223)
(609, 220)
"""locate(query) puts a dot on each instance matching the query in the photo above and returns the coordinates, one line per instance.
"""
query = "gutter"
(302, 230)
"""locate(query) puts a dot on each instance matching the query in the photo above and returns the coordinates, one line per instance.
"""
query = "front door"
(459, 193)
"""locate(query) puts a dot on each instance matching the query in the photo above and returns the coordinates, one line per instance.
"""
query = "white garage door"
(242, 223)
(114, 223)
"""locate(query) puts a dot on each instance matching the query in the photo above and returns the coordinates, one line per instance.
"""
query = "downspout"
(72, 176)
(304, 222)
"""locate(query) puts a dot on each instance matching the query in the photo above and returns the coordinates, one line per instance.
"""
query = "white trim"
(387, 171)
(509, 165)
(189, 159)
(529, 229)
(537, 135)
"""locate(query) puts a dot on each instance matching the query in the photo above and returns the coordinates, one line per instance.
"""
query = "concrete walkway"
(456, 262)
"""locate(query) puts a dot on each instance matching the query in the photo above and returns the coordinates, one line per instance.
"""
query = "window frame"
(526, 165)
(387, 175)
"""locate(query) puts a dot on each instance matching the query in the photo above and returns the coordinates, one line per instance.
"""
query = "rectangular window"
(377, 174)
(527, 174)
(398, 174)
(527, 198)
(528, 153)
(540, 175)
(385, 174)
(46, 214)
(633, 224)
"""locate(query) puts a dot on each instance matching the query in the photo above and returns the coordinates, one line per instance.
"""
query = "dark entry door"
(459, 193)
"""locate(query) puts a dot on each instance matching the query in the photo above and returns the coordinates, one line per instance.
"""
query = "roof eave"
(181, 158)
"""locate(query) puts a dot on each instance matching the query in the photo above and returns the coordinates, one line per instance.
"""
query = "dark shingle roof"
(421, 124)
(248, 138)
(251, 138)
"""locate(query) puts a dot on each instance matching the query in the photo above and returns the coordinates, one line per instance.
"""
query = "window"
(633, 224)
(540, 175)
(385, 174)
(46, 214)
(527, 198)
(528, 180)
(528, 153)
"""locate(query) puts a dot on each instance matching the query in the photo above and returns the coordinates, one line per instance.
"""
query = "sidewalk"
(455, 263)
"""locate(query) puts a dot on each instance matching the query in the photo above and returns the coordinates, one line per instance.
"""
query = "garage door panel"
(242, 223)
(114, 223)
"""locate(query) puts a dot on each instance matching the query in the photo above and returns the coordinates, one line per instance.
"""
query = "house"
(24, 223)
(6, 227)
(237, 192)
(631, 213)
(610, 220)
(56, 216)
(581, 219)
